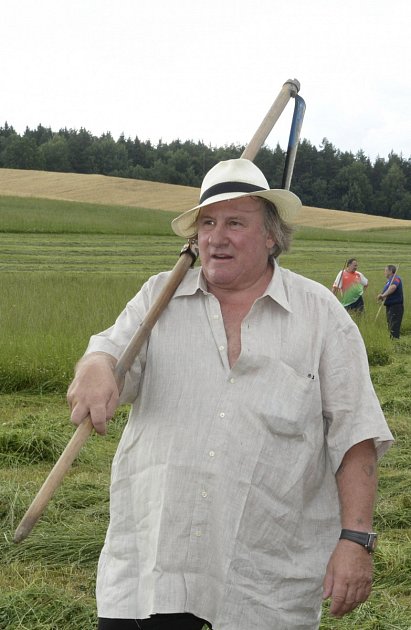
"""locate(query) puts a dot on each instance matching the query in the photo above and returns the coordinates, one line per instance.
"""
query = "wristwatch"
(367, 539)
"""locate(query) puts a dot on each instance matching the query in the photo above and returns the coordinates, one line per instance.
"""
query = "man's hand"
(94, 391)
(348, 577)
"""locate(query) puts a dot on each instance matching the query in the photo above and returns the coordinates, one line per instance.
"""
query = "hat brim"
(287, 203)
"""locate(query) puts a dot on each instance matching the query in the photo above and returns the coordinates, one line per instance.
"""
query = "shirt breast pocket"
(289, 400)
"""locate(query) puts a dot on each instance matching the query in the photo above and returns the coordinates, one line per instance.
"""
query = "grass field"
(134, 193)
(66, 270)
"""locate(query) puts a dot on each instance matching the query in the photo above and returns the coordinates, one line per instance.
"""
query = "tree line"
(324, 177)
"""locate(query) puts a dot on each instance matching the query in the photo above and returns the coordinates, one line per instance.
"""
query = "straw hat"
(231, 179)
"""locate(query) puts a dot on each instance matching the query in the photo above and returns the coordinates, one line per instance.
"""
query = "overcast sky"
(209, 70)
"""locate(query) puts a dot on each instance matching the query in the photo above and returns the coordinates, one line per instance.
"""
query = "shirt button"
(211, 453)
(222, 414)
(204, 494)
(232, 380)
(221, 348)
(198, 533)
(215, 316)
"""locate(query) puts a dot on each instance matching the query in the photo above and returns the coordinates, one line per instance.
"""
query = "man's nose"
(218, 236)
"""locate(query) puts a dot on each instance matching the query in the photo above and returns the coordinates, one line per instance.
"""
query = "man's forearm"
(357, 484)
(389, 291)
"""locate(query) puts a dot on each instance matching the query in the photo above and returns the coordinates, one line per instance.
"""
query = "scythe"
(187, 257)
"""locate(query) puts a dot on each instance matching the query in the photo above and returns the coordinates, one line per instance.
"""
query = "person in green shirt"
(350, 284)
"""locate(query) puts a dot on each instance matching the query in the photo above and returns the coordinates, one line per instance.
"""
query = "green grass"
(81, 282)
(30, 215)
(373, 235)
(61, 281)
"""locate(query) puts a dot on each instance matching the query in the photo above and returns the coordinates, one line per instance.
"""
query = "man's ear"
(270, 241)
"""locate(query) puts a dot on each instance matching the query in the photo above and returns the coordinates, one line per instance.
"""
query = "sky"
(210, 70)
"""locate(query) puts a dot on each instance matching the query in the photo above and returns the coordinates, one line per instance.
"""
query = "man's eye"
(206, 223)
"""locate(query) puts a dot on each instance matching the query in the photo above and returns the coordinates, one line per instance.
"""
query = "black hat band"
(229, 187)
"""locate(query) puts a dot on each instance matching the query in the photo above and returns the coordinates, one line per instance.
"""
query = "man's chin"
(219, 278)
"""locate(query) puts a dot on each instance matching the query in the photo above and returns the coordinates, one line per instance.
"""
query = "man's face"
(352, 266)
(233, 243)
(387, 272)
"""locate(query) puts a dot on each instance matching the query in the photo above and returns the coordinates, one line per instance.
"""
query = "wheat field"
(158, 196)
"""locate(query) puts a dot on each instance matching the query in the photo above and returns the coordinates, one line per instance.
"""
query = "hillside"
(153, 195)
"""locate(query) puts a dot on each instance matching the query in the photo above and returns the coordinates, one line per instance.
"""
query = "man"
(393, 300)
(350, 283)
(244, 454)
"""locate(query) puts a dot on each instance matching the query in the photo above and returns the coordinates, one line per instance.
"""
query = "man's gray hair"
(279, 230)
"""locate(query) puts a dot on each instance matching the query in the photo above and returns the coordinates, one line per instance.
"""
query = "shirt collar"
(194, 281)
(276, 289)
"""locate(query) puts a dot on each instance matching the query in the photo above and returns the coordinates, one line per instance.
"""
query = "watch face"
(366, 540)
(372, 542)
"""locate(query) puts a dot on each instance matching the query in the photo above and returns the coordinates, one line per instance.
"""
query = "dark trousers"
(179, 621)
(358, 305)
(394, 319)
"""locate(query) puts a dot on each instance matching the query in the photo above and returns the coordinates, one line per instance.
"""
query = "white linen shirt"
(223, 497)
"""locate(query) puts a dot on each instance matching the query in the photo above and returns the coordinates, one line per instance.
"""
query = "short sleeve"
(114, 340)
(351, 410)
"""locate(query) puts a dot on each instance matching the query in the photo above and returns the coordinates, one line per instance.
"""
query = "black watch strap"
(368, 540)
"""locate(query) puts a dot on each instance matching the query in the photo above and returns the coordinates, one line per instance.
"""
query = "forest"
(324, 176)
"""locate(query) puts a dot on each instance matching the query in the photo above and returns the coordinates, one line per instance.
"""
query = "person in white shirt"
(243, 486)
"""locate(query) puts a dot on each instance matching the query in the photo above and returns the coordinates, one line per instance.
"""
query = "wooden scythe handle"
(289, 89)
(54, 479)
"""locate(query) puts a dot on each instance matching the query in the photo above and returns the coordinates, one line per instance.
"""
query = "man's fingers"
(101, 413)
(338, 602)
(97, 414)
(78, 412)
(112, 405)
(341, 606)
(343, 603)
(327, 586)
(364, 591)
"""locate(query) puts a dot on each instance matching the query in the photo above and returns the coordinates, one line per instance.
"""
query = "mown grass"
(60, 287)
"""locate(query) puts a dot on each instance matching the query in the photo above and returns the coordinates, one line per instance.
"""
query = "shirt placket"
(215, 320)
(216, 460)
